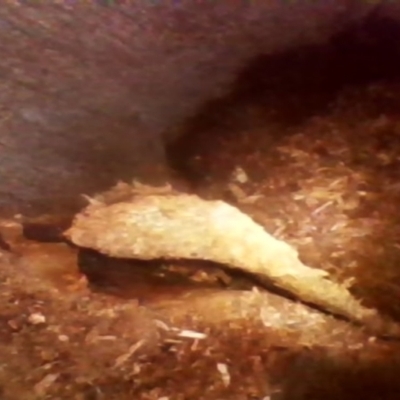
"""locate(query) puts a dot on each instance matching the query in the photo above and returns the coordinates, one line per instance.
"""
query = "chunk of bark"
(182, 226)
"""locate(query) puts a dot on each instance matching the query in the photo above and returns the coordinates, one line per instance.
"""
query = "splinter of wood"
(181, 226)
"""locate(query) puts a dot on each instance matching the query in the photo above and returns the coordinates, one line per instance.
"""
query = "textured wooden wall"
(87, 88)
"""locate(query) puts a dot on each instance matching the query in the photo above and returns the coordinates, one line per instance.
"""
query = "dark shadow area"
(155, 280)
(165, 278)
(317, 374)
(292, 87)
(47, 231)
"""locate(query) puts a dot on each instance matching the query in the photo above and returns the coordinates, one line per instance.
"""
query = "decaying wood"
(182, 226)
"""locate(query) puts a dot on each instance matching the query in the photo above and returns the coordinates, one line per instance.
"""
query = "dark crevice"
(294, 86)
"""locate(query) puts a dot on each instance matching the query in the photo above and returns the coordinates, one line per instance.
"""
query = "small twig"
(125, 357)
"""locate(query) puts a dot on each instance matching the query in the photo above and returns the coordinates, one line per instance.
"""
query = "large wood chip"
(181, 226)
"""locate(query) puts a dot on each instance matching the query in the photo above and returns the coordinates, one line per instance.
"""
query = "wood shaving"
(188, 227)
